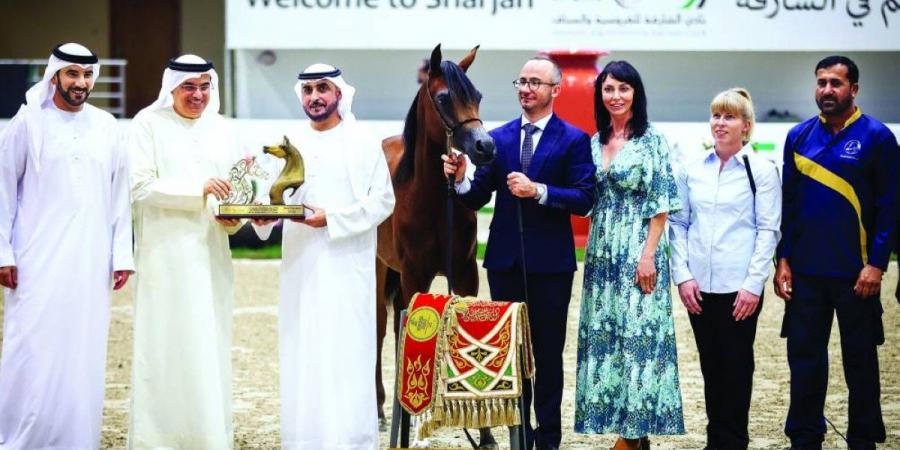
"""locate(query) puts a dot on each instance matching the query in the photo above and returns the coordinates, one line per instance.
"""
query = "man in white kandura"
(326, 316)
(65, 238)
(181, 395)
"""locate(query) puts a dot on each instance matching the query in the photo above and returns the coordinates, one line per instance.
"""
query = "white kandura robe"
(66, 228)
(326, 316)
(181, 395)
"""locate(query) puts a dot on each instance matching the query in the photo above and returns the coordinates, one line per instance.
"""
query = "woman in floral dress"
(627, 379)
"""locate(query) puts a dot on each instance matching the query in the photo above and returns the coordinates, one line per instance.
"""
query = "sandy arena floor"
(256, 373)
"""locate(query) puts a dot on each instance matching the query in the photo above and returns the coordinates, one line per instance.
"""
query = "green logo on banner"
(693, 4)
(687, 4)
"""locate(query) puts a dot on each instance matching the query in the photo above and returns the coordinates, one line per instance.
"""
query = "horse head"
(291, 176)
(278, 151)
(455, 102)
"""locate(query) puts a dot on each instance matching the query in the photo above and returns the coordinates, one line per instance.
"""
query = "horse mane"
(459, 84)
(460, 87)
(405, 167)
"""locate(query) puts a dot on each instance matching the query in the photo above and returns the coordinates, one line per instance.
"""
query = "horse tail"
(410, 128)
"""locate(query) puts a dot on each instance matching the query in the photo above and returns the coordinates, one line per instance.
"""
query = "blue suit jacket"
(562, 161)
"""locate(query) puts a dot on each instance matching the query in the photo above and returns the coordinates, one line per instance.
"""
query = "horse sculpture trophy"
(424, 238)
(241, 202)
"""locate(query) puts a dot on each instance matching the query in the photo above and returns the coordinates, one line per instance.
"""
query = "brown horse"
(413, 241)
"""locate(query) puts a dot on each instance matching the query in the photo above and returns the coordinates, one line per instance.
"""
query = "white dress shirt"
(723, 237)
(465, 184)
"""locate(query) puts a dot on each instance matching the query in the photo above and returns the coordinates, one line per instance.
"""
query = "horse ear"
(286, 141)
(435, 70)
(467, 60)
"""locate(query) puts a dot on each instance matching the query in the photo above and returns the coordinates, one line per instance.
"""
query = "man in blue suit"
(543, 172)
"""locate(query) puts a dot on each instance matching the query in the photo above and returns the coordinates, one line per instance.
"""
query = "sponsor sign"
(754, 25)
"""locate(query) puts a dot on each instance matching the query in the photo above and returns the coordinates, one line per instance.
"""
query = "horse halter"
(449, 129)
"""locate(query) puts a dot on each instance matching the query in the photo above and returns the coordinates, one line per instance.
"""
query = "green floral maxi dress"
(627, 379)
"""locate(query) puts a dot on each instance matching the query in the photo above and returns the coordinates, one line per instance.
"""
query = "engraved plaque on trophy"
(243, 177)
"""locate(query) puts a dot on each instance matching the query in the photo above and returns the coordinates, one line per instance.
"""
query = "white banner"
(754, 25)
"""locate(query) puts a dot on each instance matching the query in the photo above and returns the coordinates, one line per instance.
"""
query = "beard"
(839, 108)
(329, 110)
(539, 103)
(66, 95)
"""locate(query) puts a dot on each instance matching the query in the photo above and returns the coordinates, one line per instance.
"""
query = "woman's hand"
(744, 305)
(646, 268)
(645, 277)
(689, 291)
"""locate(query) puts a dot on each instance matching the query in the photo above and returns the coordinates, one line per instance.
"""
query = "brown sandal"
(627, 444)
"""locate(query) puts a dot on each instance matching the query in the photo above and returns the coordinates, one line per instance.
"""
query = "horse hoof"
(489, 443)
(382, 424)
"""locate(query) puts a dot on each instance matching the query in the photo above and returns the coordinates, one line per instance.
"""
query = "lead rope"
(451, 190)
(448, 270)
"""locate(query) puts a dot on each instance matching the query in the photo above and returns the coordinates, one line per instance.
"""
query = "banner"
(421, 348)
(653, 25)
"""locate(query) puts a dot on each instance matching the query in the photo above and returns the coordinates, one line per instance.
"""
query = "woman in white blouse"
(722, 245)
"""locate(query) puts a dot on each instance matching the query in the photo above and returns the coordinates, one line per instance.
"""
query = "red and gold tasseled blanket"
(463, 361)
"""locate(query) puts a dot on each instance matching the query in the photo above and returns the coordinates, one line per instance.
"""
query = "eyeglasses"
(532, 84)
(191, 88)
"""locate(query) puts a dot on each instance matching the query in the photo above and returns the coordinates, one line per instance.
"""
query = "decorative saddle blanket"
(460, 361)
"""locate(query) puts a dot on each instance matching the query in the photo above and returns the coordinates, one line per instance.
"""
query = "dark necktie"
(528, 146)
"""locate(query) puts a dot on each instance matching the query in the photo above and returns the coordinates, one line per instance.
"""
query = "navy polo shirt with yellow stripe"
(840, 197)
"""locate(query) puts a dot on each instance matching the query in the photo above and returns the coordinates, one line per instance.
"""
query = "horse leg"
(465, 277)
(394, 297)
(381, 318)
(388, 285)
(412, 280)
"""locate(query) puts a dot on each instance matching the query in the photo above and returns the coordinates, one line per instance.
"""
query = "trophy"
(240, 202)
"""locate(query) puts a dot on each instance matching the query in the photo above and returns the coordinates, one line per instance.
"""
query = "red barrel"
(575, 105)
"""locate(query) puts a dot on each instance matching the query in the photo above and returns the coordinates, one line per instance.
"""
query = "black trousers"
(548, 305)
(726, 360)
(807, 327)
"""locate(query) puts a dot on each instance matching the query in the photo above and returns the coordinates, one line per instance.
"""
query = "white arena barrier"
(683, 137)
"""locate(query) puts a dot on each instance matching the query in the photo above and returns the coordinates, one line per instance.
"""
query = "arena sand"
(255, 357)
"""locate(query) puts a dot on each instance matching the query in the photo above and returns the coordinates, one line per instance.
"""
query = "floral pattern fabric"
(627, 378)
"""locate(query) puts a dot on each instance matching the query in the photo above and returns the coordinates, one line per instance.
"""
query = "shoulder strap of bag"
(750, 175)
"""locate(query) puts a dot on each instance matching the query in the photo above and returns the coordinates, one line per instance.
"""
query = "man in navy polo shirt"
(838, 220)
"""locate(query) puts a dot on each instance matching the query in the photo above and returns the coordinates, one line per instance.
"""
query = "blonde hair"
(735, 101)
